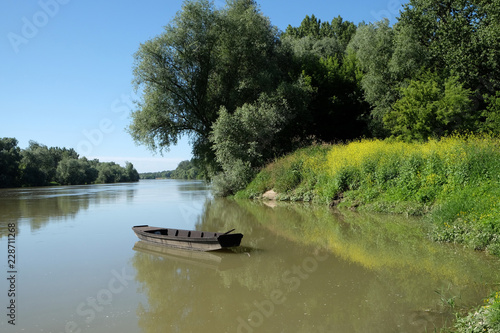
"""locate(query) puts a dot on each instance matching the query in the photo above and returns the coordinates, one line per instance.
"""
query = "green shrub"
(228, 182)
(288, 176)
(485, 319)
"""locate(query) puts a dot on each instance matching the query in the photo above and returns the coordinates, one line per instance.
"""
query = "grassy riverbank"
(454, 182)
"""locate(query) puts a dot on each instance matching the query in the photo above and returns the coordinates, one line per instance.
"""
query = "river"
(71, 263)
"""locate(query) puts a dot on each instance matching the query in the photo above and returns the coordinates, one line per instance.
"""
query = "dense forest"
(246, 93)
(185, 170)
(39, 165)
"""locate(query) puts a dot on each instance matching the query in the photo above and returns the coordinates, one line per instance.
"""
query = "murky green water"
(301, 268)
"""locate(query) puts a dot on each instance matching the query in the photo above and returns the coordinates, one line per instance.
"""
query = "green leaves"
(428, 108)
(204, 60)
(39, 165)
(461, 38)
(312, 27)
(458, 40)
(10, 157)
(491, 114)
(71, 171)
(373, 46)
(334, 75)
(172, 71)
(244, 141)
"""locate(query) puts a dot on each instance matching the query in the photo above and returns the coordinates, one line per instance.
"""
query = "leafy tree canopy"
(429, 108)
(39, 165)
(10, 157)
(312, 27)
(205, 59)
(462, 38)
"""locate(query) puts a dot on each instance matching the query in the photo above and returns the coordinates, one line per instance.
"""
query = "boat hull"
(187, 239)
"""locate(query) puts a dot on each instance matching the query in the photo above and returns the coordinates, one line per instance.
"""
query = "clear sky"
(66, 68)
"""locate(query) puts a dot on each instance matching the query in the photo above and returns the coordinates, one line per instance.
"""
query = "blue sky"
(66, 68)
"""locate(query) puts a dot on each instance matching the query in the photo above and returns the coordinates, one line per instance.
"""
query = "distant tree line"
(185, 170)
(246, 93)
(40, 165)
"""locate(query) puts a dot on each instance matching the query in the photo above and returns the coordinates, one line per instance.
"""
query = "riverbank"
(453, 182)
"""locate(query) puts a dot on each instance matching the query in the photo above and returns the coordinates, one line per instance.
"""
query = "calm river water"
(301, 268)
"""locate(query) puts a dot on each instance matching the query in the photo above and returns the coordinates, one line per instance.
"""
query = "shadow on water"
(39, 206)
(306, 268)
(194, 187)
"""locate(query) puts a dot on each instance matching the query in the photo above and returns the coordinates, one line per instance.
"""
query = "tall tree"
(389, 57)
(131, 173)
(38, 165)
(373, 45)
(337, 104)
(10, 157)
(205, 59)
(312, 27)
(172, 71)
(71, 171)
(462, 38)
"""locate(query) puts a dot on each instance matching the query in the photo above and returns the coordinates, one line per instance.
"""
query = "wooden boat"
(188, 239)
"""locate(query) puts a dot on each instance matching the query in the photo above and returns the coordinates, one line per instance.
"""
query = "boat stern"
(230, 240)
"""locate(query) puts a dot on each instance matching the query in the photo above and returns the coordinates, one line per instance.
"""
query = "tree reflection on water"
(379, 273)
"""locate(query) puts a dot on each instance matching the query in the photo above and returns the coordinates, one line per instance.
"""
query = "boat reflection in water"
(198, 258)
(221, 260)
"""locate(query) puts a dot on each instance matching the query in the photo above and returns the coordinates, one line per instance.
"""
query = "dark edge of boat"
(188, 239)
